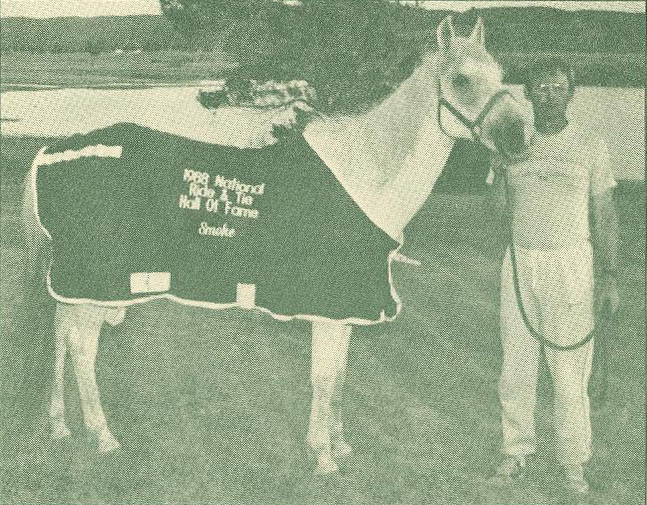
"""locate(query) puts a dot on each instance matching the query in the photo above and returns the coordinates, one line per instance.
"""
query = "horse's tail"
(33, 334)
(36, 240)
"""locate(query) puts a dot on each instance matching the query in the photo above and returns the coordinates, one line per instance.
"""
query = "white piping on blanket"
(405, 259)
(32, 186)
(42, 159)
(100, 151)
(241, 303)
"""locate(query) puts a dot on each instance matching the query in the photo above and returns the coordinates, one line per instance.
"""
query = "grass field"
(211, 407)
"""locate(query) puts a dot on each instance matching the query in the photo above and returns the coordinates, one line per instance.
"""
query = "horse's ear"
(445, 34)
(478, 33)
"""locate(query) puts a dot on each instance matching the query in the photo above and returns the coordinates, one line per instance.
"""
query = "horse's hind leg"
(339, 445)
(329, 351)
(57, 406)
(84, 341)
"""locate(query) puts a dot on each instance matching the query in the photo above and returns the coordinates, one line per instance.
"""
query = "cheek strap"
(473, 126)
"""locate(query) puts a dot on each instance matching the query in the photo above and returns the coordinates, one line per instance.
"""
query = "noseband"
(473, 126)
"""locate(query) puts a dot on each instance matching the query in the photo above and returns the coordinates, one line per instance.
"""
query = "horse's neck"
(389, 158)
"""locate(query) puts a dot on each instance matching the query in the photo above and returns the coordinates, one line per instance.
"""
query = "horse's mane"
(329, 93)
(366, 62)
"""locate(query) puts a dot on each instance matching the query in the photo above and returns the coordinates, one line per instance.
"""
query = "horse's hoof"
(341, 449)
(60, 431)
(325, 466)
(323, 456)
(107, 442)
(108, 445)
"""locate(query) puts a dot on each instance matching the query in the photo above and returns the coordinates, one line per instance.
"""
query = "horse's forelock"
(465, 51)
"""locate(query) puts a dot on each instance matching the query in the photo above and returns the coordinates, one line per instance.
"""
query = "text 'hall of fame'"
(228, 197)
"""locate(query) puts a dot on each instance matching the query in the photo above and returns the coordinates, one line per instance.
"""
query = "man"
(566, 176)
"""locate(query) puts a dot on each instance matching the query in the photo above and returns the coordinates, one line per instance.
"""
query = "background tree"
(356, 51)
(351, 51)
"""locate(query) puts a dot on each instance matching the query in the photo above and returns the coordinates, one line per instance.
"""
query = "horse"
(386, 158)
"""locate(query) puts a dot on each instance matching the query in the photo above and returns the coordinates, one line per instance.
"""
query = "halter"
(473, 126)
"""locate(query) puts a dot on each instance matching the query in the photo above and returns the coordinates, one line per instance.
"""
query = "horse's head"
(473, 103)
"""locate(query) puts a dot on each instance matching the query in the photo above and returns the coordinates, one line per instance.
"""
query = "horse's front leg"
(329, 356)
(83, 344)
(57, 405)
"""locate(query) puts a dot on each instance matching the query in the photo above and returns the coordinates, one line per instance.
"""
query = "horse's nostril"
(513, 137)
(515, 131)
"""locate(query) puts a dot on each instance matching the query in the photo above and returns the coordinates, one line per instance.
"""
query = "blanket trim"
(357, 321)
(98, 150)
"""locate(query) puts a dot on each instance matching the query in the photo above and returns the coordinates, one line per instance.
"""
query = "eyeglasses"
(545, 88)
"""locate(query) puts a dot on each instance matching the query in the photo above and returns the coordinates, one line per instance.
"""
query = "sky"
(88, 8)
(628, 6)
(84, 8)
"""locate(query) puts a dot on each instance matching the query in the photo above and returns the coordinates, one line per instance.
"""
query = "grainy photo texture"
(322, 252)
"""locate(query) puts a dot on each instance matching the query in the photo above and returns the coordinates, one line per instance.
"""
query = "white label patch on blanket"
(150, 282)
(246, 295)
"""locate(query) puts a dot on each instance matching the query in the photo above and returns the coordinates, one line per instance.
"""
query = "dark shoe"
(510, 468)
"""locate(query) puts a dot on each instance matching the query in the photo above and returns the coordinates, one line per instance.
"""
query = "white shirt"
(550, 190)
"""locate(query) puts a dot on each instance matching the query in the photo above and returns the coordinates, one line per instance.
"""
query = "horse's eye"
(460, 81)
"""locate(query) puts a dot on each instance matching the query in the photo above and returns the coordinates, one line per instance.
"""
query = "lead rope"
(515, 278)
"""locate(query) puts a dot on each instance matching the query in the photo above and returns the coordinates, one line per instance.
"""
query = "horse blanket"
(135, 213)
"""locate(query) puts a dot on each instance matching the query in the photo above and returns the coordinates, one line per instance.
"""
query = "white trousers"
(557, 294)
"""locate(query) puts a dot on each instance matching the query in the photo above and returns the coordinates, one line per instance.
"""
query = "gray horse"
(387, 159)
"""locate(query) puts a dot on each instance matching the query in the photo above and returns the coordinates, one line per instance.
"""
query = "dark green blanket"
(176, 217)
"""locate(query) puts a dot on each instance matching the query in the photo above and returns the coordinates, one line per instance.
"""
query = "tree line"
(209, 23)
(353, 51)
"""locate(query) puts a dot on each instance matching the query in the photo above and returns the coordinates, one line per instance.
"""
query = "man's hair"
(549, 65)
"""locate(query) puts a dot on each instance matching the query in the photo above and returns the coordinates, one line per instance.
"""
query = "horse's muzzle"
(510, 138)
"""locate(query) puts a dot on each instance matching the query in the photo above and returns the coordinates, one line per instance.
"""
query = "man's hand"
(605, 224)
(607, 294)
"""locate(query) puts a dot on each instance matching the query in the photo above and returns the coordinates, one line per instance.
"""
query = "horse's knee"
(329, 348)
(83, 343)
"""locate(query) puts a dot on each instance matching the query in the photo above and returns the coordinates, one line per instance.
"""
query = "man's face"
(549, 94)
